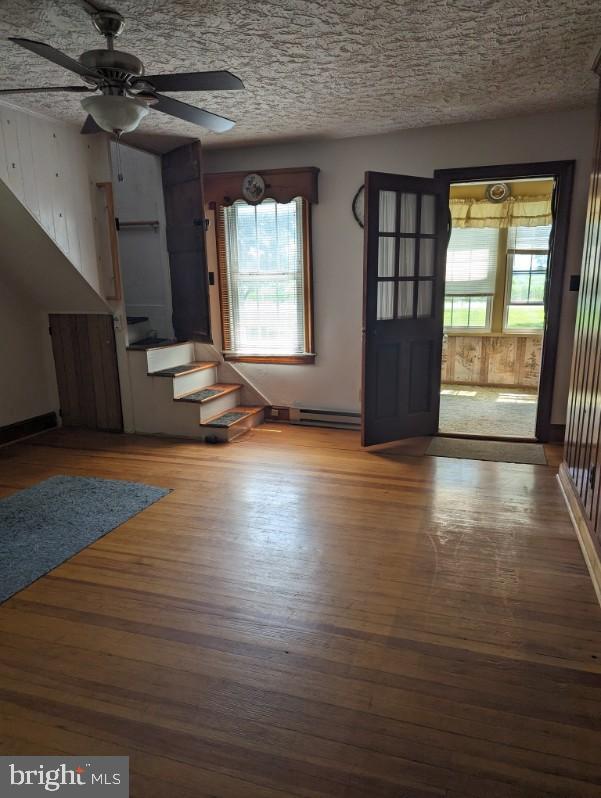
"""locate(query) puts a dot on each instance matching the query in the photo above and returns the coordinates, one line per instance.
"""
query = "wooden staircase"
(179, 395)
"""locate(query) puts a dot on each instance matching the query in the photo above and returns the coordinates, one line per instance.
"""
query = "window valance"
(513, 212)
(281, 185)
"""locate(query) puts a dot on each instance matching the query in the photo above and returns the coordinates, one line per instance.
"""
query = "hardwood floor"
(303, 618)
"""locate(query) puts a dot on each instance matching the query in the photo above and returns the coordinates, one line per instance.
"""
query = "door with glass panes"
(405, 238)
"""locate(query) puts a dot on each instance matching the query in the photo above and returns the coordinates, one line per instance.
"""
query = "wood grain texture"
(300, 617)
(512, 360)
(115, 292)
(583, 428)
(87, 374)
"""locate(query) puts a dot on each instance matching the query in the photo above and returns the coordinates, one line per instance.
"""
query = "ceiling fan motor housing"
(114, 65)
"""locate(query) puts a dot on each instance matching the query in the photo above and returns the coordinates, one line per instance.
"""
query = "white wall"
(52, 169)
(54, 251)
(28, 382)
(144, 257)
(334, 381)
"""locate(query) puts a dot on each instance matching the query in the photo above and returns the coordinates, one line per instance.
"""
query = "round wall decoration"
(359, 206)
(498, 192)
(253, 187)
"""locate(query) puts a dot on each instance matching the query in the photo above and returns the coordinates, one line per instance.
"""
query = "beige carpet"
(474, 410)
(498, 451)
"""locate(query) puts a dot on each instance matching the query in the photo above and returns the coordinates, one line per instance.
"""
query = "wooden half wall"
(580, 475)
(500, 360)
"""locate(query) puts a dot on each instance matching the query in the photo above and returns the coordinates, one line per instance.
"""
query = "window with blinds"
(471, 275)
(264, 278)
(472, 261)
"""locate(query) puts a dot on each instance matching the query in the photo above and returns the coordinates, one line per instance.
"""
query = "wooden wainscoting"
(582, 527)
(583, 430)
(512, 360)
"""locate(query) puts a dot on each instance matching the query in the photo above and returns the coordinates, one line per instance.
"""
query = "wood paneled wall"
(582, 450)
(86, 370)
(492, 360)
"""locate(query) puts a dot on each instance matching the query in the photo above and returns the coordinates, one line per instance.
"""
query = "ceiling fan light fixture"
(114, 112)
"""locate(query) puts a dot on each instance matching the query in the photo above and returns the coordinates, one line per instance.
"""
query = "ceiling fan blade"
(198, 116)
(51, 54)
(47, 89)
(90, 126)
(195, 81)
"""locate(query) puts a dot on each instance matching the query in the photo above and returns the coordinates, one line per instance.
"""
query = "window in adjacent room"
(265, 281)
(527, 258)
(470, 278)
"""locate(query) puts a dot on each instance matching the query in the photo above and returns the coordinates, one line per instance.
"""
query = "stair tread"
(184, 368)
(153, 344)
(202, 395)
(231, 417)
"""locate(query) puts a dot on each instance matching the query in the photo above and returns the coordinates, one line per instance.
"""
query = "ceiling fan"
(126, 93)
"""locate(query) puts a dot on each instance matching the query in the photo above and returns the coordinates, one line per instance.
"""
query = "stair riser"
(239, 429)
(194, 381)
(254, 421)
(215, 406)
(168, 356)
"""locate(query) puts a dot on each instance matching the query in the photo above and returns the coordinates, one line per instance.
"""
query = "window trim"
(308, 356)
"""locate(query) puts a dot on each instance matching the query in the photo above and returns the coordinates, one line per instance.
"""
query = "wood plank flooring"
(303, 618)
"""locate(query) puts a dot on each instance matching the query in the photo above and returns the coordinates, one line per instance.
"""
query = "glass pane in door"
(387, 211)
(406, 257)
(386, 251)
(428, 218)
(408, 220)
(426, 256)
(385, 302)
(424, 298)
(405, 300)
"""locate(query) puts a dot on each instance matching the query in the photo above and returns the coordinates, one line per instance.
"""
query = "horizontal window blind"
(536, 238)
(472, 261)
(262, 277)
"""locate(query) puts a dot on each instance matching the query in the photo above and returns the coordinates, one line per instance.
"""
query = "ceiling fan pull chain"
(118, 155)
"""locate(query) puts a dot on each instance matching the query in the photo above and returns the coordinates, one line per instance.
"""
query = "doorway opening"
(494, 313)
(502, 298)
(407, 229)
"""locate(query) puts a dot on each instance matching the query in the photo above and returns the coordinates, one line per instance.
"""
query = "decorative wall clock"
(497, 192)
(253, 188)
(359, 206)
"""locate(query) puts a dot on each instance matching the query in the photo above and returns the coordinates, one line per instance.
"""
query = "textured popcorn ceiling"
(327, 68)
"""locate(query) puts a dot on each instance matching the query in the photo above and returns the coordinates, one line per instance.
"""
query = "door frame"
(563, 174)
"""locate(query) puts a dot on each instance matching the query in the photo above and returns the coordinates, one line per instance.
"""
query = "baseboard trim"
(29, 426)
(589, 548)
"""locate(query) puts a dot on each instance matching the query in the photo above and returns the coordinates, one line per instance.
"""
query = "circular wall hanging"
(359, 206)
(498, 192)
(253, 187)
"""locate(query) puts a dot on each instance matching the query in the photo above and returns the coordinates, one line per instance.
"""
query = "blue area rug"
(43, 526)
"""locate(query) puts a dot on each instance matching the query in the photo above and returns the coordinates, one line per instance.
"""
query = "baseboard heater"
(314, 417)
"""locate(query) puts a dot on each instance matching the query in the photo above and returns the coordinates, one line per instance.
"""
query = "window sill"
(286, 360)
(488, 334)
